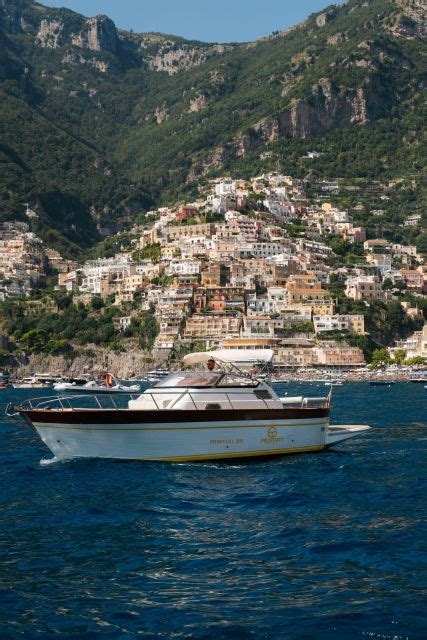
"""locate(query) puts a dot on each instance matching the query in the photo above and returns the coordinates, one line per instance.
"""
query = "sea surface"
(324, 545)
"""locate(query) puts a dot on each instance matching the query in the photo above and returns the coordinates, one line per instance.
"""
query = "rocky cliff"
(97, 34)
(327, 109)
(156, 111)
(125, 365)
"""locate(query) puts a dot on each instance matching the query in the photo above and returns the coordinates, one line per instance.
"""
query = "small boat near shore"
(381, 383)
(155, 375)
(108, 385)
(37, 381)
(219, 414)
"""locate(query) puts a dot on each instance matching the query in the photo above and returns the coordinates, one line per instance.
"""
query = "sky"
(206, 20)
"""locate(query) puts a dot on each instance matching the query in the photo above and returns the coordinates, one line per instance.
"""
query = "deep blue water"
(325, 545)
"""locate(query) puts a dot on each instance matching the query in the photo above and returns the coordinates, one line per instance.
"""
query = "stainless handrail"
(68, 402)
(174, 402)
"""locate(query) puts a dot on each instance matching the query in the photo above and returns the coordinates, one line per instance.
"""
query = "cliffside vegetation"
(68, 330)
(97, 125)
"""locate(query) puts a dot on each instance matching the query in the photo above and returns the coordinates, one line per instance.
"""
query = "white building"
(94, 270)
(381, 261)
(261, 249)
(183, 268)
(364, 288)
(225, 188)
(260, 306)
(353, 323)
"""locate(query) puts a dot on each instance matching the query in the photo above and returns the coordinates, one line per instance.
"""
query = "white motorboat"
(37, 381)
(222, 413)
(108, 385)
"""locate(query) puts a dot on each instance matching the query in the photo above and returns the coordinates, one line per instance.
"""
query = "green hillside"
(97, 125)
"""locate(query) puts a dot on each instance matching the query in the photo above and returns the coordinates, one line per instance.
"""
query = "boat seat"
(292, 400)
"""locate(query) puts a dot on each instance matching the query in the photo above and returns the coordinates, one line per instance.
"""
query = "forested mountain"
(97, 124)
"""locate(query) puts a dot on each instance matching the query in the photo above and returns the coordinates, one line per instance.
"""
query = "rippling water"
(322, 545)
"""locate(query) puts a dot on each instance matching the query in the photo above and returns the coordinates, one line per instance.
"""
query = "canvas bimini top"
(225, 370)
(231, 356)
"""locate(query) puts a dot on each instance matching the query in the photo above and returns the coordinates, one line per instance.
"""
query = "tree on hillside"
(151, 252)
(399, 356)
(380, 358)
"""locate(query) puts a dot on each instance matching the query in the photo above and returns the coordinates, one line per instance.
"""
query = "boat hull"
(149, 435)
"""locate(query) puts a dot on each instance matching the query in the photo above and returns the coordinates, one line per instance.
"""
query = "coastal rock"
(90, 365)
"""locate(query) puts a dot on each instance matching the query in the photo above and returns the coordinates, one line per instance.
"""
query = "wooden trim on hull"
(134, 417)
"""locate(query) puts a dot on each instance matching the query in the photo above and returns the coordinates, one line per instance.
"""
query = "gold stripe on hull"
(42, 425)
(235, 454)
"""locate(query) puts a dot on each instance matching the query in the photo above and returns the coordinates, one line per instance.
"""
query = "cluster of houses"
(25, 260)
(227, 271)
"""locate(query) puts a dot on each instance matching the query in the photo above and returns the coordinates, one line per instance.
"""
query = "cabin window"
(263, 394)
(190, 379)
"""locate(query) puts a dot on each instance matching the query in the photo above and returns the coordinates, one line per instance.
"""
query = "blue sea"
(325, 545)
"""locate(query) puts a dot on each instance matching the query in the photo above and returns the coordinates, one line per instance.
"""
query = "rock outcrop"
(329, 108)
(415, 12)
(325, 17)
(73, 58)
(173, 57)
(161, 113)
(197, 104)
(99, 34)
(51, 34)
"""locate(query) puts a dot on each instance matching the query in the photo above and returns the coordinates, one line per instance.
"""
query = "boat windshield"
(190, 379)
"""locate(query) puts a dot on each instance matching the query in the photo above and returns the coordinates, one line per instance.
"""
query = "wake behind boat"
(107, 385)
(217, 414)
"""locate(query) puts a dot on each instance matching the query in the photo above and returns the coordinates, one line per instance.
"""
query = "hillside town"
(251, 264)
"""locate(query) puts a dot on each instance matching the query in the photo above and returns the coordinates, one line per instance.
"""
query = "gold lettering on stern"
(232, 441)
(271, 436)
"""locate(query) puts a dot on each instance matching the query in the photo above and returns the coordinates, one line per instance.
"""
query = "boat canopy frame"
(226, 359)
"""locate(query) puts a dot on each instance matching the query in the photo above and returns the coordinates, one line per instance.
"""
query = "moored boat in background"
(108, 385)
(37, 381)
